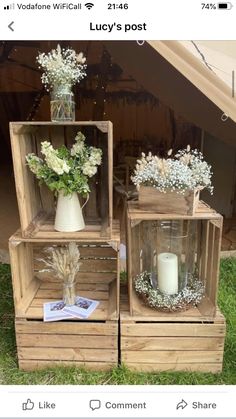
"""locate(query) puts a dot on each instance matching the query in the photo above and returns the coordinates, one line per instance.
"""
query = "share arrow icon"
(182, 405)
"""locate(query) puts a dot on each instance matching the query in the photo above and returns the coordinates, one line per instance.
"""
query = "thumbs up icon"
(29, 405)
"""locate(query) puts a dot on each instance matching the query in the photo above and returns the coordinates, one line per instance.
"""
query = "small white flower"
(89, 169)
(61, 66)
(58, 165)
(77, 148)
(187, 171)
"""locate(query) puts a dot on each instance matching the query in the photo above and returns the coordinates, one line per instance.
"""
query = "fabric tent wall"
(163, 80)
(223, 159)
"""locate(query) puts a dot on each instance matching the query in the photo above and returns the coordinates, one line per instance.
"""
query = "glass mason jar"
(69, 295)
(62, 103)
(168, 253)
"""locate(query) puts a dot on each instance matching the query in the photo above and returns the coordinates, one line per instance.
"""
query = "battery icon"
(225, 6)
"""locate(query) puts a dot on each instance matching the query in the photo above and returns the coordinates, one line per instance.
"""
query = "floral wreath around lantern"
(190, 296)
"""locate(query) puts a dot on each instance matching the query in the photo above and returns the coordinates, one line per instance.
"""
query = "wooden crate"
(37, 204)
(92, 343)
(206, 256)
(98, 278)
(151, 199)
(89, 344)
(170, 344)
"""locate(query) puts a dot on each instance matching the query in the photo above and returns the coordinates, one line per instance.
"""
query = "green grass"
(9, 373)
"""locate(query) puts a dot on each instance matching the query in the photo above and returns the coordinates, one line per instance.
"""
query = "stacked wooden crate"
(191, 340)
(92, 343)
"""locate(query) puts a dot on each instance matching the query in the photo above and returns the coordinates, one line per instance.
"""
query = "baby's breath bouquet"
(186, 171)
(62, 69)
(61, 66)
(66, 170)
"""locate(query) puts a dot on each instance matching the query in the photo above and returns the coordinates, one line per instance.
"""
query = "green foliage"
(66, 170)
(9, 373)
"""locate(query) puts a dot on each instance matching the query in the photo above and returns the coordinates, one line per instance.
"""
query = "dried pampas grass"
(64, 263)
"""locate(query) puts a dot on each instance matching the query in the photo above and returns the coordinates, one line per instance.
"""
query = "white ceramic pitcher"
(69, 216)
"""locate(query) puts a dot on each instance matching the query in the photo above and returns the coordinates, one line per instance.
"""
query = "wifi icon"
(89, 5)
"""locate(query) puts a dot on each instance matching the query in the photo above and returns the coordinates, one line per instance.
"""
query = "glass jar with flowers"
(62, 69)
(66, 172)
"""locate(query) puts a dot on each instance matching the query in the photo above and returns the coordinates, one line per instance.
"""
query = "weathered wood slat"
(29, 365)
(81, 286)
(172, 356)
(171, 343)
(167, 330)
(202, 212)
(66, 341)
(70, 354)
(86, 251)
(55, 294)
(151, 199)
(35, 312)
(91, 265)
(67, 328)
(101, 278)
(196, 367)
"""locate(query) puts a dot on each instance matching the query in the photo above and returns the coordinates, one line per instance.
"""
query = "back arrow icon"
(10, 26)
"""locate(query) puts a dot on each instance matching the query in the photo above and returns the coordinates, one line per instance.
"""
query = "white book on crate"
(83, 307)
(53, 311)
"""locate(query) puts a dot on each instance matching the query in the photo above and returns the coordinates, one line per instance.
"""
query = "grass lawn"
(9, 373)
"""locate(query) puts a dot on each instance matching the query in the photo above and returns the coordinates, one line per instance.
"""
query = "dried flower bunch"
(187, 170)
(66, 170)
(189, 296)
(61, 66)
(64, 263)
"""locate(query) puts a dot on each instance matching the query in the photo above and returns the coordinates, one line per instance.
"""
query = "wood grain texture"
(170, 202)
(33, 201)
(203, 211)
(172, 344)
(30, 365)
(97, 279)
(66, 328)
(89, 344)
(214, 368)
(167, 343)
(173, 356)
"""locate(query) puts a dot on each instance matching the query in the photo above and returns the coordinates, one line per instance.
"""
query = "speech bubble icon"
(95, 404)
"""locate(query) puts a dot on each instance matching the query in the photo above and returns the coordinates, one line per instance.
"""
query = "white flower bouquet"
(62, 69)
(186, 171)
(66, 170)
(61, 66)
(172, 185)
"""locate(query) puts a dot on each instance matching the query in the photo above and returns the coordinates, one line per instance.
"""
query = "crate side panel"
(88, 344)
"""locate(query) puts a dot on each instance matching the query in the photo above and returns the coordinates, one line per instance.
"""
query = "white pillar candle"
(168, 273)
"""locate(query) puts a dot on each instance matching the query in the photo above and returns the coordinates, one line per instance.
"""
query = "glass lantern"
(165, 271)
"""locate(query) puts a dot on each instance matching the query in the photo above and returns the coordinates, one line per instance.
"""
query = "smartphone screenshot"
(117, 209)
